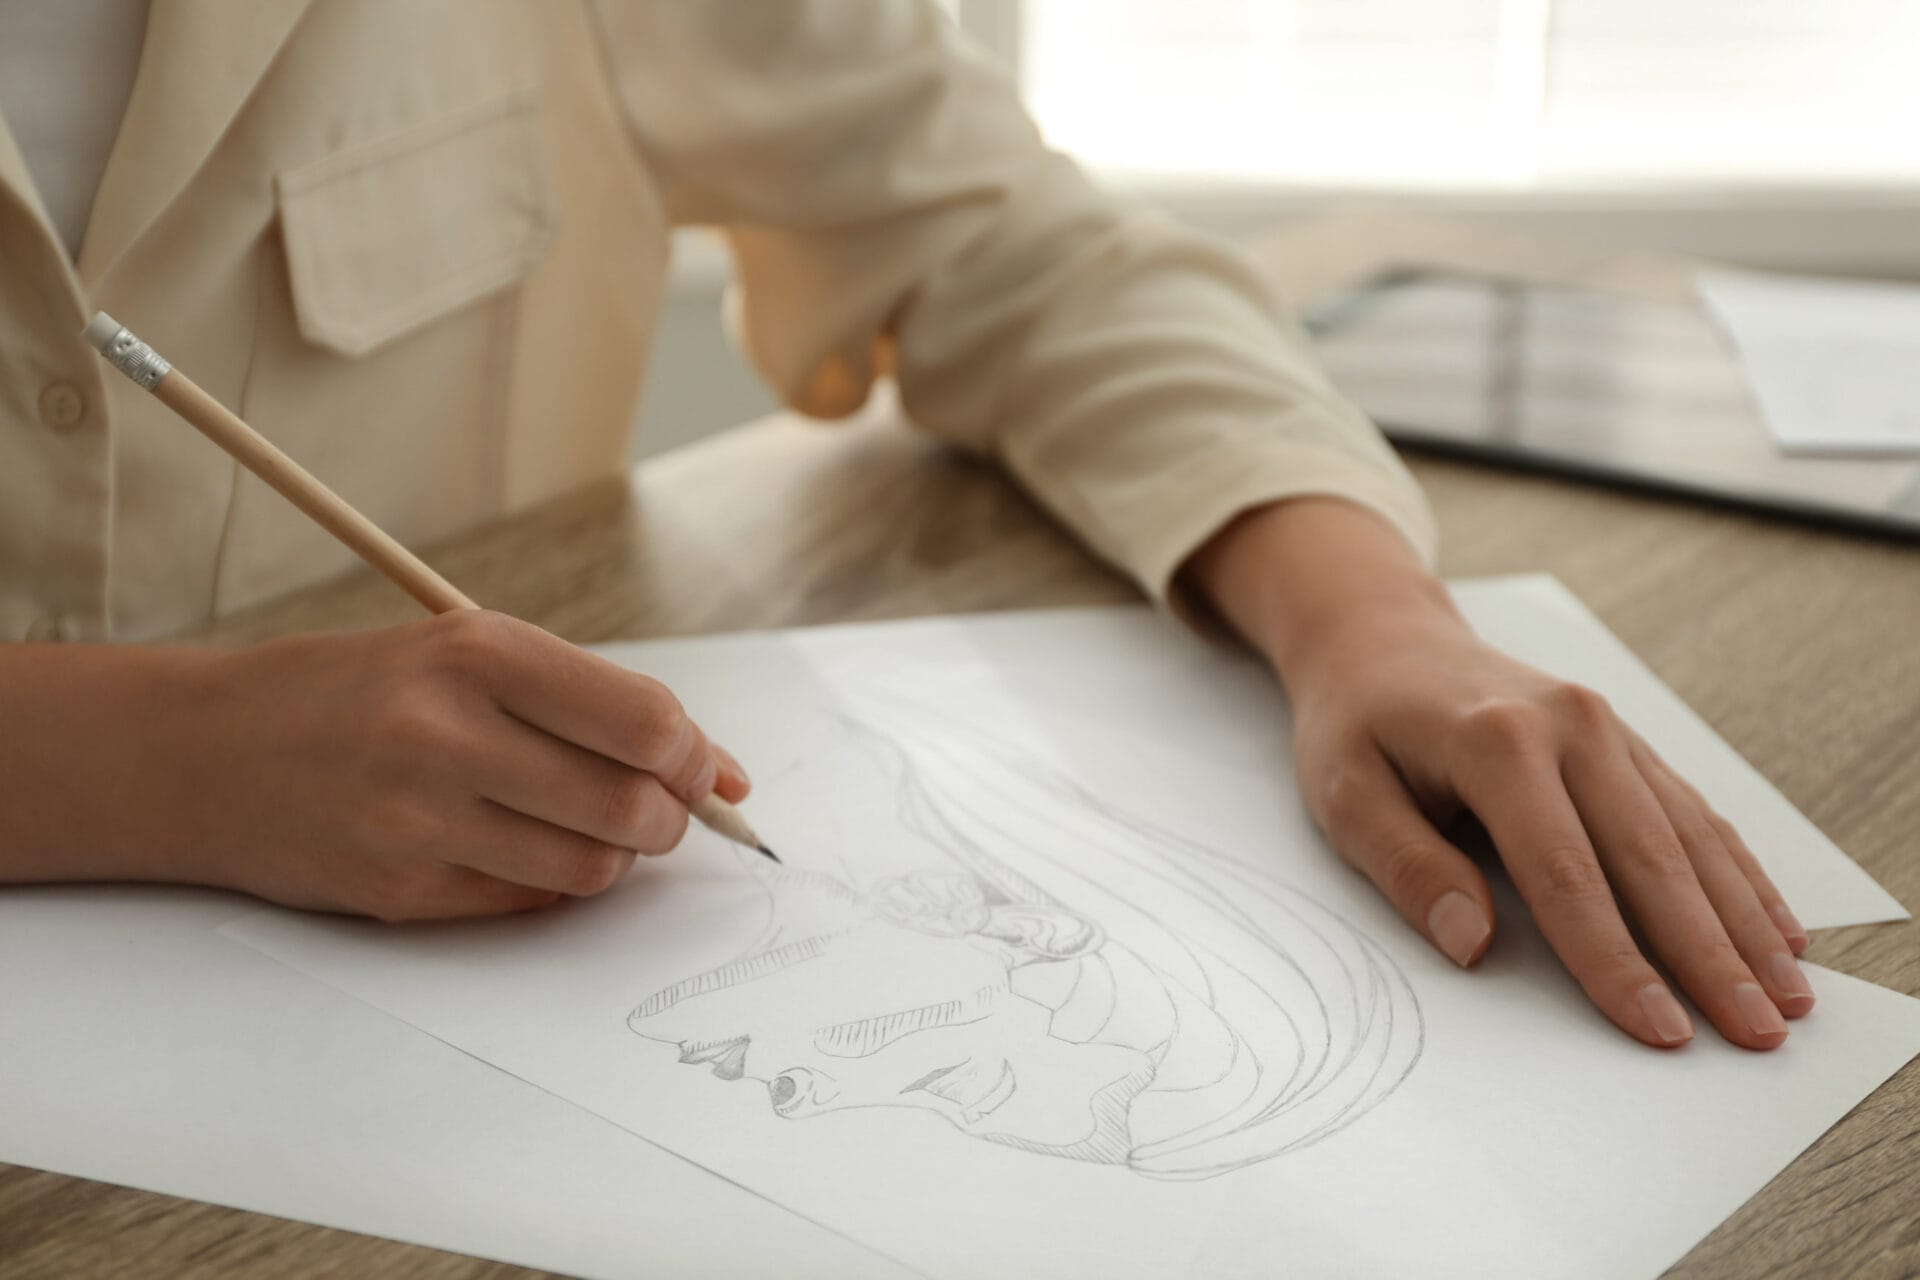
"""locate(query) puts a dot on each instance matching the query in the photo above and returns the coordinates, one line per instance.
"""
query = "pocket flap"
(383, 237)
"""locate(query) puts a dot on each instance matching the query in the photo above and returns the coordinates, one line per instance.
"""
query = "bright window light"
(1481, 93)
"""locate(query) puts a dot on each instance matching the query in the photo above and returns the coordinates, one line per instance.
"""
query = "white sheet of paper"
(1001, 1014)
(1131, 670)
(139, 1047)
(1832, 362)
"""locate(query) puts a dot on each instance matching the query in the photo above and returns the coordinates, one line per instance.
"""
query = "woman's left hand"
(1405, 720)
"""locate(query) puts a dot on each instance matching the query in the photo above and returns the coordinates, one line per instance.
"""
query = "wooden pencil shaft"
(365, 538)
(724, 820)
(259, 455)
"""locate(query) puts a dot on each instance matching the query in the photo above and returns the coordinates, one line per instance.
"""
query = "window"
(1486, 94)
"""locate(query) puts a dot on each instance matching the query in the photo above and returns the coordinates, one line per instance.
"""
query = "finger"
(525, 851)
(1734, 900)
(1650, 870)
(474, 893)
(534, 773)
(453, 893)
(1770, 896)
(589, 701)
(1794, 933)
(1510, 778)
(1375, 825)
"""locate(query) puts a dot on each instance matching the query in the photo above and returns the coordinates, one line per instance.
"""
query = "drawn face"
(885, 1015)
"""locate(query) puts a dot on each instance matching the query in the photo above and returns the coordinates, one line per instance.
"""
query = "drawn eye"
(791, 1092)
(798, 1091)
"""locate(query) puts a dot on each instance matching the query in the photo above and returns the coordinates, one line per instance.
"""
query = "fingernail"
(1664, 1014)
(1458, 925)
(1790, 927)
(1763, 1019)
(733, 766)
(1790, 979)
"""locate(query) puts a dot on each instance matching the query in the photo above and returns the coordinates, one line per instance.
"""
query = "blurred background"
(1774, 133)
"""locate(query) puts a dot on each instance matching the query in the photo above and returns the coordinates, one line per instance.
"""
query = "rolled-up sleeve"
(893, 209)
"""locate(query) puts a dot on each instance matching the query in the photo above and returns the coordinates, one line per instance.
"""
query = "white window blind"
(1477, 92)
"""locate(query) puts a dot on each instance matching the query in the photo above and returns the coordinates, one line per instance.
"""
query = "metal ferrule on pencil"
(125, 352)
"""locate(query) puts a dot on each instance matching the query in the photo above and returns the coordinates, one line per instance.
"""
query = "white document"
(137, 1046)
(1137, 674)
(1834, 364)
(1016, 1006)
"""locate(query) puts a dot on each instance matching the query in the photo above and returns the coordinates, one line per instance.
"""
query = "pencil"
(328, 509)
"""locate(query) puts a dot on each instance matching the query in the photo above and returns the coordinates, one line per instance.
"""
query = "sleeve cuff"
(1220, 491)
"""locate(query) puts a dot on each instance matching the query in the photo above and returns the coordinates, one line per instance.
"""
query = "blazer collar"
(201, 62)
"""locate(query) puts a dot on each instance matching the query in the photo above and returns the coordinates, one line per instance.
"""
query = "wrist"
(195, 762)
(1307, 581)
(100, 745)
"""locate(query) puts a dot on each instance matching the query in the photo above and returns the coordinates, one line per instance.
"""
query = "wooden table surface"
(1801, 646)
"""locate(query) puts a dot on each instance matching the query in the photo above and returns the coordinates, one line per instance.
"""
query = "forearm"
(1301, 578)
(92, 760)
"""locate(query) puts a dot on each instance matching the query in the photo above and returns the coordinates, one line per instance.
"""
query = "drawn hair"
(1322, 1024)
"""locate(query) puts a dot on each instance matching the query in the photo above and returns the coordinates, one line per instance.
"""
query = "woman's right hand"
(467, 764)
(464, 765)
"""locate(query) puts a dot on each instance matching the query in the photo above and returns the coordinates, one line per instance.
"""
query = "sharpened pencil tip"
(770, 853)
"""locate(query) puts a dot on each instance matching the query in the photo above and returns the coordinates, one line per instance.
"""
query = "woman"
(422, 246)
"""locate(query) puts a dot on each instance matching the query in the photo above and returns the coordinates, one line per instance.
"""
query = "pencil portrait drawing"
(1044, 971)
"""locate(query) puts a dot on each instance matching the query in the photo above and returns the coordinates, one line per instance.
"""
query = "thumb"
(1372, 821)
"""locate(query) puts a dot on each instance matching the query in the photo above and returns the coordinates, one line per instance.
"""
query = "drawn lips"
(974, 1091)
(729, 1057)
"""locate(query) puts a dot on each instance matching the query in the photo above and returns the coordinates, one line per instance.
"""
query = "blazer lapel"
(14, 176)
(201, 62)
(16, 185)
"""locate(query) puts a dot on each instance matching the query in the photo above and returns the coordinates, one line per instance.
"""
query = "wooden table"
(1801, 646)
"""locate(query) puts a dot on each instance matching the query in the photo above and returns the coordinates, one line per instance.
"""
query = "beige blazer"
(422, 245)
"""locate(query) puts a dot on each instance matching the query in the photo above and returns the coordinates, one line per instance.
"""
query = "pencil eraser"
(100, 331)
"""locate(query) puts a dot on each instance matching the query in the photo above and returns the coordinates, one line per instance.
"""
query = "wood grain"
(1801, 646)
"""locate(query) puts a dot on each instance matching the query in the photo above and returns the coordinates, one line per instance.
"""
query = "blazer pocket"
(384, 237)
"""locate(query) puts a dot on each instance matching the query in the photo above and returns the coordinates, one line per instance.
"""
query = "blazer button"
(62, 406)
